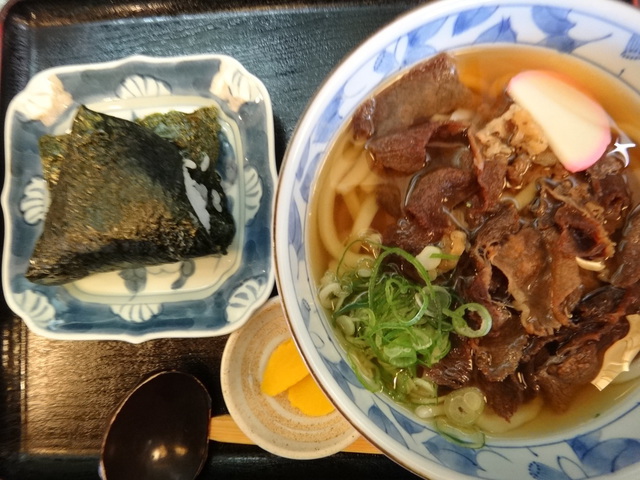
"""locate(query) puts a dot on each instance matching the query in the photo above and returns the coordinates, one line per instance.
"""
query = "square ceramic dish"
(207, 296)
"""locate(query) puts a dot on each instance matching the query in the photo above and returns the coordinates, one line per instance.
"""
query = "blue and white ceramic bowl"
(202, 297)
(605, 33)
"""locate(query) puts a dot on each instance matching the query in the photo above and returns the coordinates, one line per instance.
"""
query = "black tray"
(56, 396)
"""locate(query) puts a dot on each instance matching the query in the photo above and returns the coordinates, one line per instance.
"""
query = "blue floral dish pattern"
(200, 297)
(609, 446)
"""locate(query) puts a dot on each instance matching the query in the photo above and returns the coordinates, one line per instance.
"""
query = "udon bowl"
(604, 33)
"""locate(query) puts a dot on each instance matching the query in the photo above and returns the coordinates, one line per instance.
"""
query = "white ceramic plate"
(206, 296)
(272, 422)
(604, 33)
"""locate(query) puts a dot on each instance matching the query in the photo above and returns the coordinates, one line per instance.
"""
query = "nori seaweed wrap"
(118, 200)
(192, 134)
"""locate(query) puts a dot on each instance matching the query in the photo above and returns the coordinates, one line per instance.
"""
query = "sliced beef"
(506, 396)
(454, 370)
(559, 365)
(498, 354)
(452, 131)
(524, 261)
(479, 282)
(613, 193)
(521, 171)
(403, 151)
(602, 304)
(390, 197)
(491, 175)
(543, 283)
(607, 166)
(431, 87)
(583, 235)
(611, 190)
(627, 258)
(497, 228)
(436, 191)
(517, 170)
(564, 374)
(571, 208)
(631, 302)
(565, 287)
(491, 179)
(410, 236)
(521, 254)
(576, 362)
(608, 304)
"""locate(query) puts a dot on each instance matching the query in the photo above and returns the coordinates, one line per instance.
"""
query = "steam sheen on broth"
(346, 203)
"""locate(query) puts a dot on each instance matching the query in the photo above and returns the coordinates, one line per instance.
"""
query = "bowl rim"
(626, 17)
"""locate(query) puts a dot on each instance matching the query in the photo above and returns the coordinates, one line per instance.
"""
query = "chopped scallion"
(392, 323)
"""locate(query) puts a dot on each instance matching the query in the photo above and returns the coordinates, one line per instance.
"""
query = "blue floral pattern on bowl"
(608, 446)
(205, 296)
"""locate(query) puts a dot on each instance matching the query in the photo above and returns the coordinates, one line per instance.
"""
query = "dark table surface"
(56, 397)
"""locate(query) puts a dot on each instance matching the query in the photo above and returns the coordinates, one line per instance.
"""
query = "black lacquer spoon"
(160, 431)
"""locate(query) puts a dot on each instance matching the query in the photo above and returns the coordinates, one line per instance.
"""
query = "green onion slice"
(469, 437)
(391, 324)
(461, 327)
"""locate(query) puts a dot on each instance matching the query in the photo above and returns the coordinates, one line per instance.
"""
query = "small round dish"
(202, 297)
(271, 422)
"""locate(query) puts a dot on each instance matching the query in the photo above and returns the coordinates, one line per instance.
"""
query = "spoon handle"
(223, 429)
